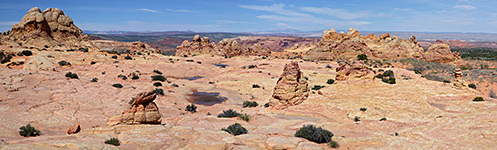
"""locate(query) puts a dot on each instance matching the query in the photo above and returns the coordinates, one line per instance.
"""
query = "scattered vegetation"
(157, 71)
(363, 109)
(311, 133)
(26, 53)
(317, 87)
(244, 117)
(122, 77)
(114, 57)
(159, 91)
(252, 66)
(228, 114)
(383, 119)
(191, 108)
(250, 104)
(478, 99)
(72, 75)
(266, 105)
(387, 77)
(113, 141)
(131, 101)
(330, 81)
(134, 76)
(175, 85)
(158, 78)
(255, 86)
(28, 130)
(472, 85)
(334, 144)
(117, 85)
(157, 84)
(362, 57)
(128, 57)
(94, 80)
(64, 63)
(235, 129)
(357, 119)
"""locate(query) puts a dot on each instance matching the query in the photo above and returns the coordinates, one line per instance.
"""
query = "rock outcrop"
(124, 47)
(45, 30)
(353, 71)
(74, 129)
(458, 79)
(225, 47)
(291, 88)
(348, 45)
(143, 111)
(440, 52)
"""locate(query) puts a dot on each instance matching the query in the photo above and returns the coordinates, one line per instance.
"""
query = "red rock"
(144, 97)
(74, 129)
(291, 88)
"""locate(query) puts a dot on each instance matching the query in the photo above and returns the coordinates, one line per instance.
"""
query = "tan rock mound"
(440, 52)
(198, 46)
(458, 79)
(353, 71)
(143, 111)
(225, 47)
(48, 29)
(74, 129)
(124, 47)
(291, 88)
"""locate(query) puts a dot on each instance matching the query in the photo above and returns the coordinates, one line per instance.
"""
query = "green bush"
(250, 104)
(134, 77)
(317, 87)
(157, 84)
(383, 119)
(114, 57)
(235, 129)
(175, 85)
(72, 75)
(334, 144)
(252, 66)
(330, 81)
(228, 114)
(266, 105)
(27, 53)
(64, 63)
(472, 85)
(157, 71)
(158, 78)
(478, 99)
(363, 109)
(117, 85)
(128, 57)
(387, 77)
(311, 133)
(244, 117)
(94, 80)
(191, 108)
(159, 91)
(255, 86)
(122, 77)
(362, 57)
(131, 101)
(357, 119)
(113, 141)
(28, 130)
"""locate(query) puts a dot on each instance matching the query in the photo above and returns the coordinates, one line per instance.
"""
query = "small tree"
(362, 57)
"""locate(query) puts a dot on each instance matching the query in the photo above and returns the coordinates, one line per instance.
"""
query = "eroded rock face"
(124, 47)
(458, 79)
(198, 46)
(74, 129)
(226, 47)
(48, 29)
(440, 52)
(291, 88)
(353, 71)
(143, 111)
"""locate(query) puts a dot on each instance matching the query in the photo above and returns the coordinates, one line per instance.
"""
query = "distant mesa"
(226, 48)
(348, 45)
(44, 30)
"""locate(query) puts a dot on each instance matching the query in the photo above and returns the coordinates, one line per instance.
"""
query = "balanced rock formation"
(143, 111)
(353, 71)
(48, 29)
(74, 129)
(225, 47)
(291, 88)
(440, 52)
(458, 79)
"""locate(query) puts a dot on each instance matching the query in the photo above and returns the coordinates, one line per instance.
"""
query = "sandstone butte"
(414, 113)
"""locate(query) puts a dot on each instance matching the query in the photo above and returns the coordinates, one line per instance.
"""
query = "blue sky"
(263, 15)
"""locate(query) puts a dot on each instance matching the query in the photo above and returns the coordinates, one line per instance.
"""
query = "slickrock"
(225, 47)
(74, 129)
(291, 88)
(440, 52)
(143, 111)
(458, 79)
(128, 47)
(50, 29)
(353, 71)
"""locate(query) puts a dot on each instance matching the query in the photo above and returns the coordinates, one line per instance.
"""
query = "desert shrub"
(94, 80)
(235, 129)
(266, 105)
(131, 101)
(72, 75)
(157, 71)
(175, 85)
(464, 68)
(114, 57)
(117, 85)
(250, 104)
(122, 77)
(357, 119)
(211, 82)
(189, 60)
(28, 130)
(334, 144)
(92, 63)
(157, 84)
(159, 91)
(311, 133)
(317, 87)
(158, 78)
(113, 141)
(244, 117)
(252, 66)
(228, 114)
(135, 77)
(383, 119)
(387, 77)
(128, 57)
(255, 86)
(64, 63)
(330, 81)
(446, 81)
(478, 99)
(362, 57)
(363, 109)
(191, 108)
(492, 94)
(83, 49)
(417, 71)
(472, 85)
(27, 53)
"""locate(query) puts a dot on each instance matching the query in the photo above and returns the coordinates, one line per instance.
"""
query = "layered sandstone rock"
(225, 47)
(440, 52)
(458, 79)
(291, 88)
(143, 111)
(124, 47)
(198, 46)
(353, 71)
(74, 129)
(48, 29)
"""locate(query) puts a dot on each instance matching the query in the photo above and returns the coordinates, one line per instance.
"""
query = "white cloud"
(465, 7)
(281, 24)
(275, 8)
(338, 13)
(178, 10)
(403, 9)
(148, 10)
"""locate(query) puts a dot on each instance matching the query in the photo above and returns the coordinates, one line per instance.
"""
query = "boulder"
(458, 79)
(143, 111)
(74, 129)
(352, 71)
(291, 88)
(440, 52)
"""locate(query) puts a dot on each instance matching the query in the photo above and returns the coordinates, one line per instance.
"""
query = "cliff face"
(48, 29)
